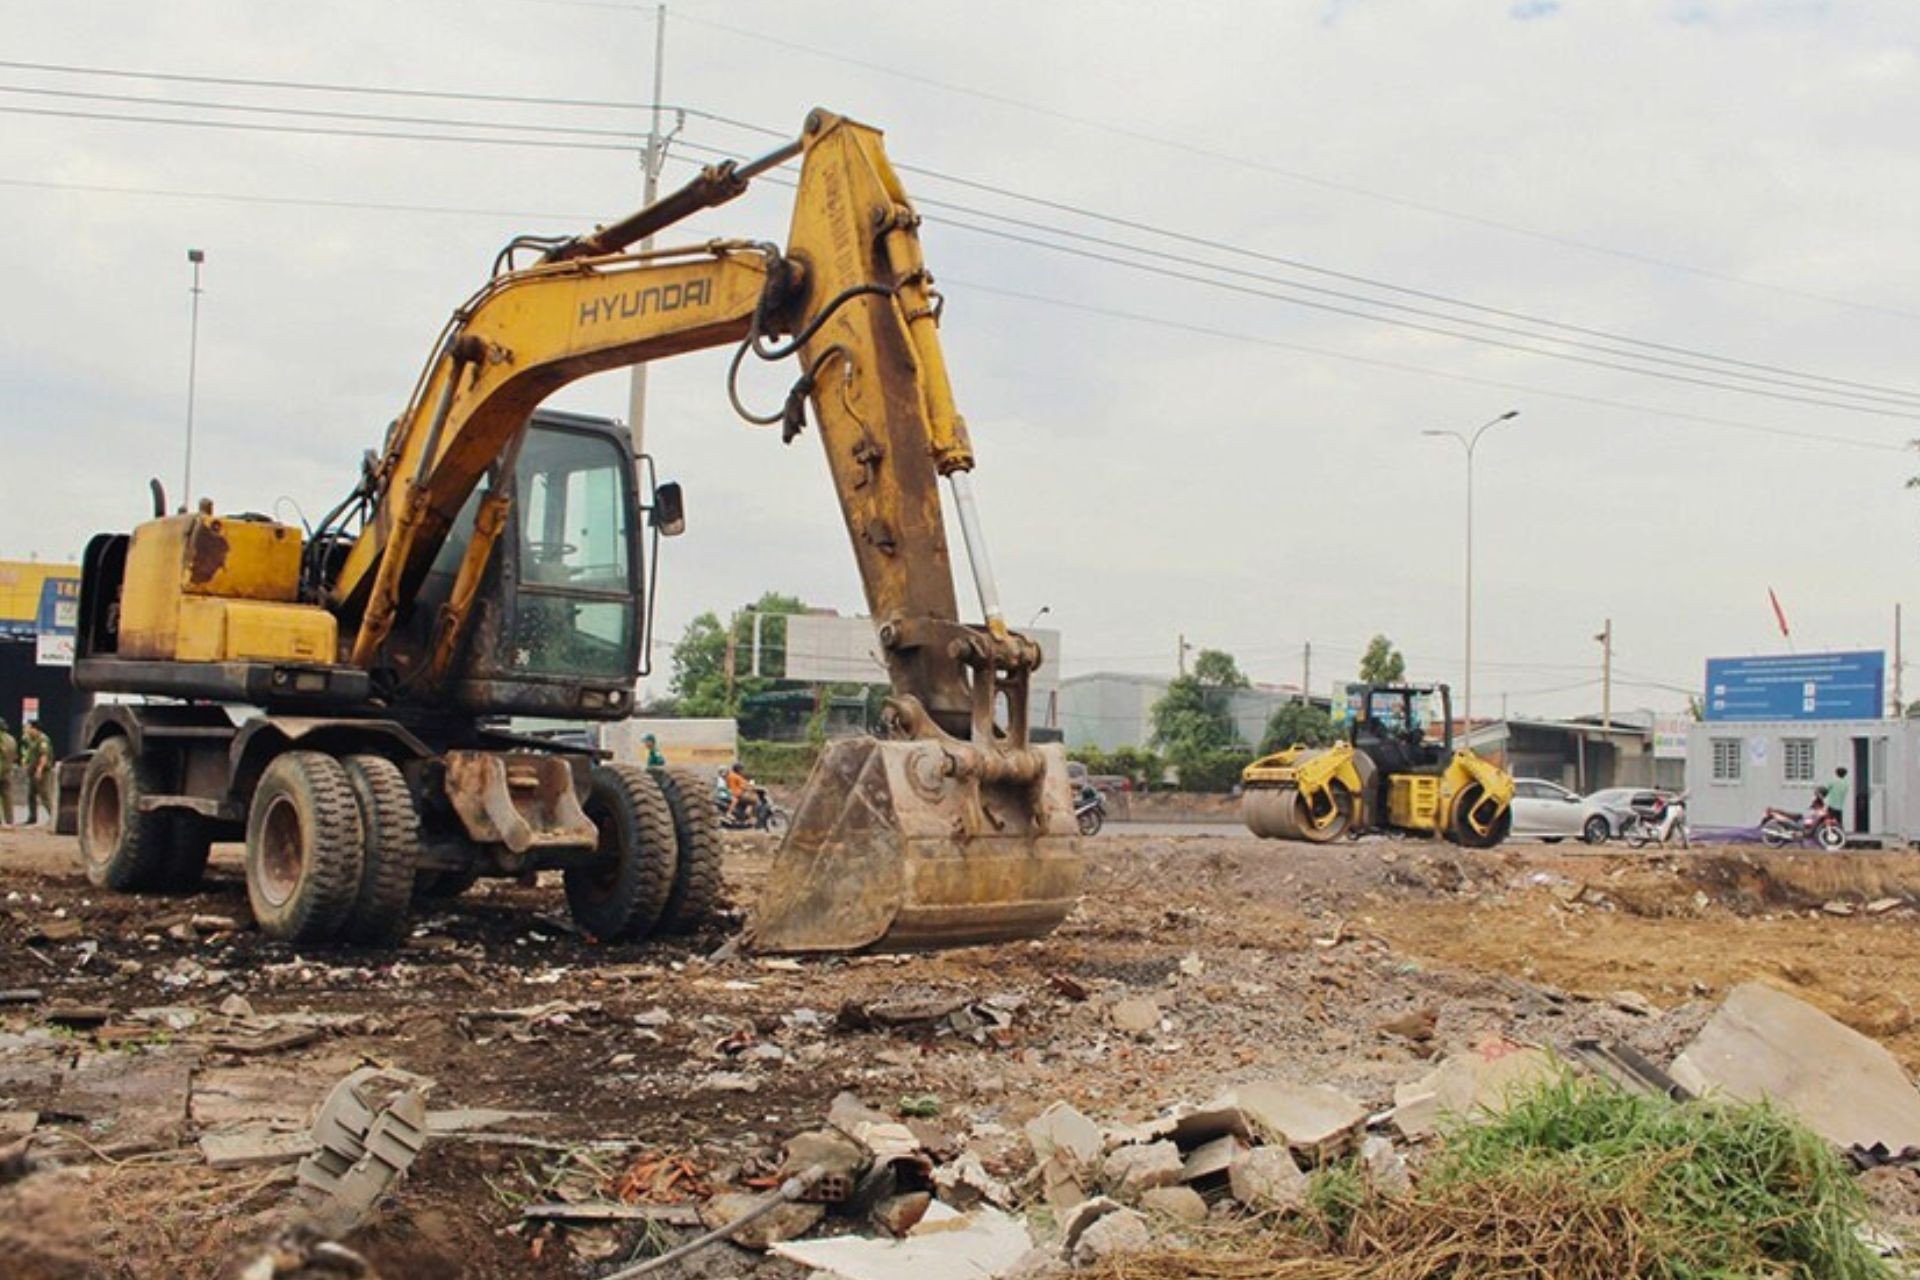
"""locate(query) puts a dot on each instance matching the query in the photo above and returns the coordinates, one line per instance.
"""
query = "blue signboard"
(59, 612)
(1798, 686)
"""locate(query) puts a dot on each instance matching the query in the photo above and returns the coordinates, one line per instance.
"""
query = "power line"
(1138, 135)
(232, 197)
(244, 126)
(1060, 206)
(1209, 331)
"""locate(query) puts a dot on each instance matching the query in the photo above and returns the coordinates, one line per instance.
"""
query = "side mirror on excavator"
(668, 515)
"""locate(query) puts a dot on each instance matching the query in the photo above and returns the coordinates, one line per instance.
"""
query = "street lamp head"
(195, 256)
(1511, 413)
(1431, 432)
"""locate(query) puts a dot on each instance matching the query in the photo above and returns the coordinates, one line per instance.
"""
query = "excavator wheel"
(304, 848)
(1282, 813)
(623, 892)
(121, 847)
(390, 823)
(696, 833)
(1477, 832)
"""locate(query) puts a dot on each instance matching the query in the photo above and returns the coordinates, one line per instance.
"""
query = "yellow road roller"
(1387, 775)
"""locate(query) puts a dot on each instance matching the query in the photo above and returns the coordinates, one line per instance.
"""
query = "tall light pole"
(1468, 442)
(196, 257)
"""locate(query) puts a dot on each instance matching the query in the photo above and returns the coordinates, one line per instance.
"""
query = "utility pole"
(196, 257)
(1606, 675)
(1184, 646)
(1899, 696)
(733, 626)
(757, 617)
(1306, 673)
(653, 161)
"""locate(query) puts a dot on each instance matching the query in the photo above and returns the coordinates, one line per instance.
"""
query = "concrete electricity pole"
(653, 161)
(196, 257)
(1306, 673)
(1606, 674)
(1468, 443)
(1184, 646)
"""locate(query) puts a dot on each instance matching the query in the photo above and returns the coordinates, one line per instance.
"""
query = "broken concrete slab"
(1130, 1171)
(1312, 1118)
(1062, 1128)
(1477, 1082)
(1196, 1126)
(1764, 1044)
(133, 1102)
(784, 1222)
(965, 1182)
(1266, 1178)
(469, 1119)
(990, 1244)
(1211, 1159)
(1386, 1168)
(245, 1148)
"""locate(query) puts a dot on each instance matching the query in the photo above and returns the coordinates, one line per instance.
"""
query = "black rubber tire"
(1090, 822)
(304, 843)
(1464, 835)
(390, 822)
(1636, 833)
(189, 843)
(122, 848)
(1597, 831)
(695, 896)
(1830, 838)
(776, 820)
(623, 893)
(1773, 837)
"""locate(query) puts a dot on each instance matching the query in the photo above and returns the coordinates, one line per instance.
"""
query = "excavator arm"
(958, 829)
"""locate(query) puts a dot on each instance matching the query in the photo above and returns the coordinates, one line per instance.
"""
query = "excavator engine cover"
(917, 844)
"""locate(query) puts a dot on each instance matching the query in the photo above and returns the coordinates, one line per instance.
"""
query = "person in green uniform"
(654, 759)
(9, 756)
(36, 759)
(1835, 795)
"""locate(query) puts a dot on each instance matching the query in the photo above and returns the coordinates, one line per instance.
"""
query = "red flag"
(1779, 614)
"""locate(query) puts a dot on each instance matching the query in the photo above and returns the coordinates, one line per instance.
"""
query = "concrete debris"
(469, 1119)
(257, 1145)
(673, 1215)
(1131, 1171)
(365, 1137)
(236, 1006)
(1182, 1204)
(1386, 1168)
(965, 1182)
(1633, 1002)
(1417, 1026)
(1194, 1126)
(1880, 906)
(784, 1222)
(1266, 1178)
(1112, 1235)
(1310, 1118)
(1211, 1159)
(989, 1244)
(1063, 1129)
(1074, 1224)
(1764, 1044)
(900, 1213)
(1135, 1016)
(1476, 1082)
(1837, 908)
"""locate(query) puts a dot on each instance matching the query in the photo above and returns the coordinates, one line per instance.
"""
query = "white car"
(1547, 811)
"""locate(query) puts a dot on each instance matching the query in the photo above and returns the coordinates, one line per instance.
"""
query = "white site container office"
(1736, 769)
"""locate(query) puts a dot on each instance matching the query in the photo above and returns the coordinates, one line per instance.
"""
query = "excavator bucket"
(893, 849)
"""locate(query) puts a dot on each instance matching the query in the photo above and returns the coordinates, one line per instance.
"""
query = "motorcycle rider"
(738, 789)
(1833, 797)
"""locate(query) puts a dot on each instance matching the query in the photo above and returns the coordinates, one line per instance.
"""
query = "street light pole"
(1469, 442)
(196, 257)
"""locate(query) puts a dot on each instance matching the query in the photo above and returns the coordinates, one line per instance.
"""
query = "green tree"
(700, 684)
(1195, 715)
(1298, 724)
(1382, 663)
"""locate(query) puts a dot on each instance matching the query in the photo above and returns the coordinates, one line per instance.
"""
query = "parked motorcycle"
(1090, 811)
(762, 813)
(1818, 825)
(1658, 822)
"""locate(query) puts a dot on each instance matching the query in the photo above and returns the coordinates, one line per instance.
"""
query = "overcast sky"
(1157, 455)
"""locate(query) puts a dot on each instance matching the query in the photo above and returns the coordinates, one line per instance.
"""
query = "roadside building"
(1778, 727)
(1582, 754)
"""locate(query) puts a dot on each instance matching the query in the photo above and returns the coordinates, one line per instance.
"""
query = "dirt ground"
(646, 1071)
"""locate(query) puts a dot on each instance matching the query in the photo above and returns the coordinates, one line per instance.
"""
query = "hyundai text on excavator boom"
(332, 698)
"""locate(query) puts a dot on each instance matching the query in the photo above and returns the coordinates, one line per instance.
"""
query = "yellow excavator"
(334, 696)
(1386, 775)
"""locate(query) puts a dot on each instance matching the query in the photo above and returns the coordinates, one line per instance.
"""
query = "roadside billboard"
(1798, 686)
